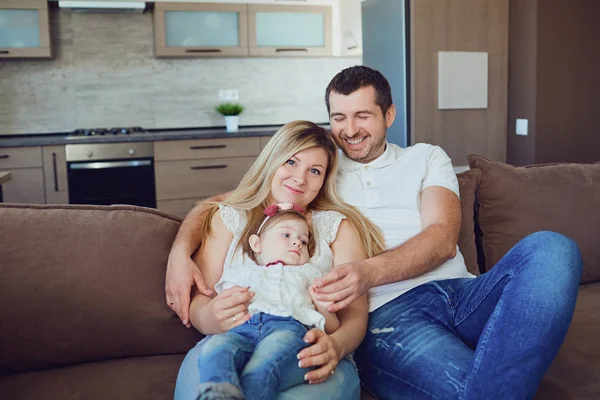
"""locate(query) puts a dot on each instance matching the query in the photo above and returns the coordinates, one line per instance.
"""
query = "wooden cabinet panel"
(179, 208)
(206, 148)
(55, 175)
(200, 30)
(199, 178)
(26, 186)
(20, 157)
(25, 32)
(263, 141)
(285, 30)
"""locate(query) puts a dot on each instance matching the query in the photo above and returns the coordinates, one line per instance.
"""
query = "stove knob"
(89, 154)
(131, 152)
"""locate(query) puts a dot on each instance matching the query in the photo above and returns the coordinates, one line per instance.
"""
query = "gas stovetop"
(83, 133)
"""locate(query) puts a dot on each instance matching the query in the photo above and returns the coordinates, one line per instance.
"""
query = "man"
(435, 331)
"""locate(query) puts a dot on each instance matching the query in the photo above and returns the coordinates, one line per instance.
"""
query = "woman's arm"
(331, 320)
(215, 315)
(182, 274)
(327, 350)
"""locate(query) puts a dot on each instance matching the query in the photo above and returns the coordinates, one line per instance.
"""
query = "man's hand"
(344, 284)
(319, 305)
(182, 274)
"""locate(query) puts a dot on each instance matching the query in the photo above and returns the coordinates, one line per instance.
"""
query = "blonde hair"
(281, 216)
(253, 191)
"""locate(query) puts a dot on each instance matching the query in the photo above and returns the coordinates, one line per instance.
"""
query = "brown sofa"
(82, 309)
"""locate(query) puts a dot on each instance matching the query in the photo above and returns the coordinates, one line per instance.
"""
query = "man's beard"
(372, 153)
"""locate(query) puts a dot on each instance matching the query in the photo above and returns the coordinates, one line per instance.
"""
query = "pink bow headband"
(275, 208)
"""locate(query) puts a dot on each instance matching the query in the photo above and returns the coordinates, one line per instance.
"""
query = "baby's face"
(287, 241)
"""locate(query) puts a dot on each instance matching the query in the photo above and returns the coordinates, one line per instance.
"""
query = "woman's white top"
(280, 290)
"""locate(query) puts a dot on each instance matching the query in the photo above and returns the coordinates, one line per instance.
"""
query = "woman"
(298, 166)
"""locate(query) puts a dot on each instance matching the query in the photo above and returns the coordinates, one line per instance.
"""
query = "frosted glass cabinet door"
(24, 30)
(200, 30)
(290, 30)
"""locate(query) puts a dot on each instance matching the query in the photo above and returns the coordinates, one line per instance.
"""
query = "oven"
(111, 173)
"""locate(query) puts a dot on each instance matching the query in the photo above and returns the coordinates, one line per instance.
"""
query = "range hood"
(103, 6)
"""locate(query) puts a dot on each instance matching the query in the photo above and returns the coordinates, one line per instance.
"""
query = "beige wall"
(459, 25)
(104, 74)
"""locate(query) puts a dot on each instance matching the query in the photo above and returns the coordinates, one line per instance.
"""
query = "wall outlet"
(522, 127)
(229, 95)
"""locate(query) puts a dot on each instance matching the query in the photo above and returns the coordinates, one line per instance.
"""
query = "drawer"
(199, 178)
(20, 157)
(206, 148)
(25, 186)
(179, 208)
(263, 141)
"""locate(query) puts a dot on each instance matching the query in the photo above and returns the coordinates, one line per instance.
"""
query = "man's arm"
(182, 273)
(434, 245)
(430, 248)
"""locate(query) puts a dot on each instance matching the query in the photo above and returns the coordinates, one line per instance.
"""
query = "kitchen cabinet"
(286, 30)
(24, 29)
(263, 142)
(200, 30)
(347, 28)
(56, 184)
(27, 176)
(188, 171)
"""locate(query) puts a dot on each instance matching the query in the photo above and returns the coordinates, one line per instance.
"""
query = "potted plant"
(231, 112)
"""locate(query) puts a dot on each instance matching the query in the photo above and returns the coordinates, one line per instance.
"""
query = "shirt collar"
(386, 159)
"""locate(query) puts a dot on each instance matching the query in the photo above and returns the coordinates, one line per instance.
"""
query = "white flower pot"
(232, 123)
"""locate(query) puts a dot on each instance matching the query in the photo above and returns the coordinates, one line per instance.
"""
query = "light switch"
(522, 127)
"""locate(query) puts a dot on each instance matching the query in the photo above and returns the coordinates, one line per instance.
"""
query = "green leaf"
(229, 109)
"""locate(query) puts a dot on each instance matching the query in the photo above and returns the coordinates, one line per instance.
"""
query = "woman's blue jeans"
(259, 358)
(490, 337)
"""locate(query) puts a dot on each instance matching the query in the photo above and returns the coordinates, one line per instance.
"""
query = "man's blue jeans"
(491, 337)
(259, 358)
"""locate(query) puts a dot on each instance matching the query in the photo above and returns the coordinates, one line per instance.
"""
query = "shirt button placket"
(368, 177)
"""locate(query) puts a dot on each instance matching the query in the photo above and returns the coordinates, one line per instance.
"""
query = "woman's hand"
(229, 309)
(324, 354)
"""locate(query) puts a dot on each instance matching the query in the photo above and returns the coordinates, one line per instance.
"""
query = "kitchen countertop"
(4, 177)
(151, 136)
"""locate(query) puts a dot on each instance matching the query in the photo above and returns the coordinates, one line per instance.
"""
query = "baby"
(259, 356)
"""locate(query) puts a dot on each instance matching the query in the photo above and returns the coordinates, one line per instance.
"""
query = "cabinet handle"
(209, 166)
(289, 50)
(214, 146)
(55, 172)
(203, 50)
(3, 156)
(4, 52)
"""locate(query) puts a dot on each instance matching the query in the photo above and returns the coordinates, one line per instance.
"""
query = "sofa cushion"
(514, 202)
(575, 373)
(468, 182)
(85, 283)
(129, 378)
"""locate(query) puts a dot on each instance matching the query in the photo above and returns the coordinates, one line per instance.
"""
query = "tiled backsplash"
(104, 74)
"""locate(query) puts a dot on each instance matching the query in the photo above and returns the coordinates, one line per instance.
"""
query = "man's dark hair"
(351, 79)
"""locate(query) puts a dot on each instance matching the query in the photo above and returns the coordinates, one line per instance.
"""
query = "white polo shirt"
(387, 191)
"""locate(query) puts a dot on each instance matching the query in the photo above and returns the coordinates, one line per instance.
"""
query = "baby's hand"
(322, 305)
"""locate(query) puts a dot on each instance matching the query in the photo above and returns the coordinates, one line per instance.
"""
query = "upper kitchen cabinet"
(200, 30)
(24, 29)
(347, 28)
(289, 30)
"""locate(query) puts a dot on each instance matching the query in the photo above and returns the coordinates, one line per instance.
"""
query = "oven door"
(112, 182)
